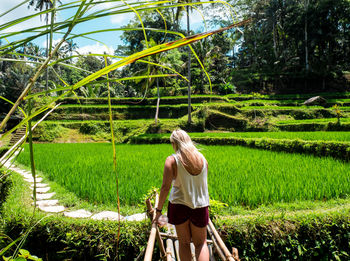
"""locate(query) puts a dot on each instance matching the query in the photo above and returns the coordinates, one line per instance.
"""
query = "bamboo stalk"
(176, 243)
(211, 254)
(216, 245)
(170, 253)
(228, 255)
(193, 251)
(150, 243)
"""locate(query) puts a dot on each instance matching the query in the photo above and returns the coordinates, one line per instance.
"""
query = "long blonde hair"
(186, 150)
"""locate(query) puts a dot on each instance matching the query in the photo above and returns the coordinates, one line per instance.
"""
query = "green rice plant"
(237, 175)
(314, 135)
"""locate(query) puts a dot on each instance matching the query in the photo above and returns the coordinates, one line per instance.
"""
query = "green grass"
(281, 108)
(333, 120)
(314, 135)
(120, 106)
(118, 122)
(238, 176)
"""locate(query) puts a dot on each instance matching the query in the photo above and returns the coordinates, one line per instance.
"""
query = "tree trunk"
(306, 36)
(158, 100)
(47, 55)
(189, 69)
(274, 40)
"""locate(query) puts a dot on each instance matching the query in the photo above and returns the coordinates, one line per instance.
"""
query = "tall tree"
(40, 5)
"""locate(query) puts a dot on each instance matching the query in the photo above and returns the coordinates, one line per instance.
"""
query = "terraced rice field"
(237, 175)
(316, 135)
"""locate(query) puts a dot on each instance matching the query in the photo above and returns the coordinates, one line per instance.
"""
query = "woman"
(188, 205)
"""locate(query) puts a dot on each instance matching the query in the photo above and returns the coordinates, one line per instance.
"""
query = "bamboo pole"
(170, 253)
(193, 251)
(176, 243)
(228, 255)
(215, 243)
(211, 254)
(150, 243)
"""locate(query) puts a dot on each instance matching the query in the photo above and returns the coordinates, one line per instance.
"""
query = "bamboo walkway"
(169, 245)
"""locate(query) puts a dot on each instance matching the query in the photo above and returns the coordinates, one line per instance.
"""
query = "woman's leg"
(184, 235)
(199, 238)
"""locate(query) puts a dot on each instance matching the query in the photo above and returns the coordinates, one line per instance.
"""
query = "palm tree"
(71, 47)
(40, 5)
(179, 11)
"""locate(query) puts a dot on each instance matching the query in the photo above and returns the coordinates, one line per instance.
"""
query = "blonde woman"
(188, 205)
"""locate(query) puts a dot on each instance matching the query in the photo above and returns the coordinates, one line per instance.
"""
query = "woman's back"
(190, 189)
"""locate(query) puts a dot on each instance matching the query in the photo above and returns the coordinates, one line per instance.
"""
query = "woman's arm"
(168, 176)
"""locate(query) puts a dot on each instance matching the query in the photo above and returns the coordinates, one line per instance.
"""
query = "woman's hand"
(156, 218)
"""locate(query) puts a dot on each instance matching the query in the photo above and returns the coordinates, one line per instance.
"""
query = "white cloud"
(122, 19)
(54, 42)
(96, 48)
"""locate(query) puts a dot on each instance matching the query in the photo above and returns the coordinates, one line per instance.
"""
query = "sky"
(111, 39)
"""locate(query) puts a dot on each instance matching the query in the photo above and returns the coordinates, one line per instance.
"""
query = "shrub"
(48, 132)
(323, 237)
(3, 150)
(216, 120)
(5, 185)
(91, 127)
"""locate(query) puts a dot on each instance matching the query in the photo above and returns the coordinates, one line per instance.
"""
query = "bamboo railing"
(171, 253)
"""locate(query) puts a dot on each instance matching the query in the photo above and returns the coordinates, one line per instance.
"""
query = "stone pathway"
(46, 203)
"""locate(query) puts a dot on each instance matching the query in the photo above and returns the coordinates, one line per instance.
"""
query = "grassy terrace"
(317, 135)
(333, 120)
(292, 102)
(327, 95)
(344, 108)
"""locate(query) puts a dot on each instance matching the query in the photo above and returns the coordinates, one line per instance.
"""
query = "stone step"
(28, 176)
(136, 217)
(44, 195)
(81, 213)
(39, 185)
(31, 180)
(52, 209)
(41, 190)
(107, 215)
(47, 202)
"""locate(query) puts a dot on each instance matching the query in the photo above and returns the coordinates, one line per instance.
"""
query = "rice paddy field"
(343, 136)
(237, 175)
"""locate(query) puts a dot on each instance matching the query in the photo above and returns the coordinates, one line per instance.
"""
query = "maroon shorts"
(178, 214)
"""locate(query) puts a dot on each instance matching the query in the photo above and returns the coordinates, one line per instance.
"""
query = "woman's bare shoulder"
(170, 160)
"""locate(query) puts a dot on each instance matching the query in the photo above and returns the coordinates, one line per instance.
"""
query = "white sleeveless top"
(190, 190)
